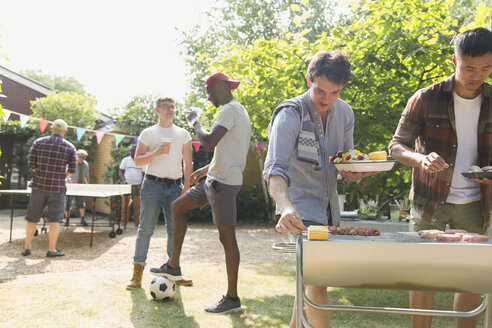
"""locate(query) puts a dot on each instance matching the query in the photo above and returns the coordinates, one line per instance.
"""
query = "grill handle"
(284, 247)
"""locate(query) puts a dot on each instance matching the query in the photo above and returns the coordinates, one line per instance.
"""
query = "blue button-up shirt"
(310, 190)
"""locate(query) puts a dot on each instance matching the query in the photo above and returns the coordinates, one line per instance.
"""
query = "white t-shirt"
(229, 159)
(466, 112)
(168, 165)
(133, 173)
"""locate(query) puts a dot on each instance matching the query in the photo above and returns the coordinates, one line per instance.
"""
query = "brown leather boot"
(136, 281)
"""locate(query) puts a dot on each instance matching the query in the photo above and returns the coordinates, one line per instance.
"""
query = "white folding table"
(83, 190)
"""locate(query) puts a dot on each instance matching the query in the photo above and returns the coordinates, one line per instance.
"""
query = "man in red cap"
(230, 139)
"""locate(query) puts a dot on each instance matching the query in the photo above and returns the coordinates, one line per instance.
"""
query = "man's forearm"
(406, 155)
(280, 192)
(142, 160)
(202, 135)
(188, 169)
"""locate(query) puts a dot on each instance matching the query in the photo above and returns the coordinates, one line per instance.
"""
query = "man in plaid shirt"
(52, 160)
(450, 123)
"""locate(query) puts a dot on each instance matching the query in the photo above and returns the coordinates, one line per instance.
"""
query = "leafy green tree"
(396, 47)
(242, 22)
(2, 114)
(76, 109)
(58, 83)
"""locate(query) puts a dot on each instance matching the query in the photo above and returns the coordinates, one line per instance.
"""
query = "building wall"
(97, 168)
(18, 96)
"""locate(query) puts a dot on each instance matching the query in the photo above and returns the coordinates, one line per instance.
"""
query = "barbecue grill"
(397, 260)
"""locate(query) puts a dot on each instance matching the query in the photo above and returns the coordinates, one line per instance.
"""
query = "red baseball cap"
(219, 76)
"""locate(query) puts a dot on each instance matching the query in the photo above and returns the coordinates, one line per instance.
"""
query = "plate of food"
(366, 166)
(356, 161)
(476, 172)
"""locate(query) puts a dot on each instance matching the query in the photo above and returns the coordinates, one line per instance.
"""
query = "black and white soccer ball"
(162, 288)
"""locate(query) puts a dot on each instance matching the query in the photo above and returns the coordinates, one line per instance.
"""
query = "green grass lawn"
(99, 299)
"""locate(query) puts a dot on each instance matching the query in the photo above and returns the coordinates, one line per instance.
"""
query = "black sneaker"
(56, 253)
(226, 305)
(168, 272)
(83, 222)
(26, 252)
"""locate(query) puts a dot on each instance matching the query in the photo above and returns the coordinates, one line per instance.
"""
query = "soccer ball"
(162, 288)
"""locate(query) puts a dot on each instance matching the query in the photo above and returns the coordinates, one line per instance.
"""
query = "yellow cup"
(168, 142)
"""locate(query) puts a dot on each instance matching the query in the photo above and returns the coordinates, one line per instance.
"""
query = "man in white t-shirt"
(230, 139)
(448, 124)
(166, 150)
(132, 174)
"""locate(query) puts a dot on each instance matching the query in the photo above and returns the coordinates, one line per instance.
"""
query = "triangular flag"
(7, 114)
(258, 146)
(135, 140)
(80, 133)
(23, 119)
(118, 138)
(42, 125)
(196, 145)
(99, 136)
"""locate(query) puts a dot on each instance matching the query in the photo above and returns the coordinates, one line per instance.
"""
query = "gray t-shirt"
(229, 159)
(85, 171)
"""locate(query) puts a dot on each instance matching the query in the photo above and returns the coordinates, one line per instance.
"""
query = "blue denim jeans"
(154, 196)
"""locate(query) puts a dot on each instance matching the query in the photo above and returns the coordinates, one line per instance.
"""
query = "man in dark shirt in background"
(444, 130)
(52, 160)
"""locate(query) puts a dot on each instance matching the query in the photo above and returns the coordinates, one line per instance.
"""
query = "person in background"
(304, 132)
(230, 139)
(52, 160)
(166, 150)
(130, 173)
(445, 129)
(81, 176)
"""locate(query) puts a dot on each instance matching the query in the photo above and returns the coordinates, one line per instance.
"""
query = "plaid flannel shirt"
(51, 157)
(428, 121)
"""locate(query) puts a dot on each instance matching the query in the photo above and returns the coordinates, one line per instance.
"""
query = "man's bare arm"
(289, 219)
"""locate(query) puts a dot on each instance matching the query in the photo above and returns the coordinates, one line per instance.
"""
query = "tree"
(75, 109)
(242, 22)
(2, 114)
(58, 83)
(396, 47)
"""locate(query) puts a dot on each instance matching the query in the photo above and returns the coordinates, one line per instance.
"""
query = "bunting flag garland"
(80, 133)
(99, 136)
(258, 146)
(7, 114)
(118, 138)
(196, 145)
(23, 120)
(42, 125)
